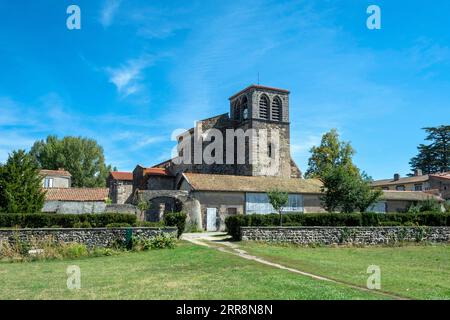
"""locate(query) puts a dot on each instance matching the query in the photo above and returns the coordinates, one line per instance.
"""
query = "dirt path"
(218, 241)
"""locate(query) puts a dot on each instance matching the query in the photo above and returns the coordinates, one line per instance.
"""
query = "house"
(393, 201)
(438, 183)
(56, 178)
(75, 200)
(120, 186)
(226, 164)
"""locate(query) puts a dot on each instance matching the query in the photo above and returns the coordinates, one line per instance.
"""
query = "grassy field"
(186, 272)
(421, 272)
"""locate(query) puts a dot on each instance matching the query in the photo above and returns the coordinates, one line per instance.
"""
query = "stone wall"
(98, 237)
(345, 235)
(74, 207)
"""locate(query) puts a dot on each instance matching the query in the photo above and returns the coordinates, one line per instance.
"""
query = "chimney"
(418, 172)
(396, 177)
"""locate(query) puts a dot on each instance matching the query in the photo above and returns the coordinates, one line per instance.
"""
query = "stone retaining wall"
(346, 235)
(92, 237)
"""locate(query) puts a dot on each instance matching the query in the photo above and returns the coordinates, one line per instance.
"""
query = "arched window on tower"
(236, 111)
(244, 106)
(264, 107)
(276, 109)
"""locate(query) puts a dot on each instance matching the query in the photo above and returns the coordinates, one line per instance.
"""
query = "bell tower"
(266, 111)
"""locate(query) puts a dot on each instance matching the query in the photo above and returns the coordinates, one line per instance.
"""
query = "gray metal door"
(211, 216)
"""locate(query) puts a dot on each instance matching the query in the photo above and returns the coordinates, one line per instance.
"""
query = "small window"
(400, 188)
(244, 106)
(48, 183)
(385, 188)
(269, 150)
(418, 187)
(232, 211)
(264, 107)
(276, 109)
(236, 111)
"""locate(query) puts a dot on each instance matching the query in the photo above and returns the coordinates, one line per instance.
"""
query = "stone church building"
(234, 183)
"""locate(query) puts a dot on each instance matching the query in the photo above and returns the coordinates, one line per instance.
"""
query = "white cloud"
(109, 11)
(128, 77)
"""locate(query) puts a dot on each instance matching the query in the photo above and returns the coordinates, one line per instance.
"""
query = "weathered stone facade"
(248, 100)
(74, 207)
(98, 237)
(346, 235)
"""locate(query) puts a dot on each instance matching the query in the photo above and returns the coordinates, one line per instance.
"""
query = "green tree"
(329, 154)
(347, 191)
(20, 185)
(278, 199)
(434, 157)
(82, 157)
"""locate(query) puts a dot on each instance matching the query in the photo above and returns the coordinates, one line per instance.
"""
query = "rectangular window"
(418, 187)
(258, 203)
(232, 211)
(48, 183)
(400, 188)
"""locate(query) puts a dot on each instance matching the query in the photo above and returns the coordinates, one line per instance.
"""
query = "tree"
(345, 187)
(20, 185)
(434, 157)
(278, 200)
(143, 206)
(346, 190)
(330, 153)
(82, 157)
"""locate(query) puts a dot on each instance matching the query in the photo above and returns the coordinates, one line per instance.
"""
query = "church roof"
(217, 182)
(257, 86)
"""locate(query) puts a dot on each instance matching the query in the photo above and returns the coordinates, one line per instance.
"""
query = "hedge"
(176, 219)
(234, 223)
(47, 220)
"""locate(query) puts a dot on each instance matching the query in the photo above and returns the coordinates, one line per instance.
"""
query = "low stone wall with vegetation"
(91, 237)
(345, 235)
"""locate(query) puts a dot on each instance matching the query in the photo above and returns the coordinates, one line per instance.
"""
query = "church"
(225, 166)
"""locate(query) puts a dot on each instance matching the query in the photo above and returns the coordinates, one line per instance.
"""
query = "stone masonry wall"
(98, 237)
(345, 235)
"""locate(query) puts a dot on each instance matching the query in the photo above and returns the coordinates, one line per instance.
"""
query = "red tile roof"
(157, 172)
(76, 194)
(117, 175)
(61, 173)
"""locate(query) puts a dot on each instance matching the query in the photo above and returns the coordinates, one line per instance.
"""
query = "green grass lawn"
(421, 272)
(186, 272)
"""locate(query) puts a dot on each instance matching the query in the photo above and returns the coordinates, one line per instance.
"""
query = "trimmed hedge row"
(234, 223)
(47, 220)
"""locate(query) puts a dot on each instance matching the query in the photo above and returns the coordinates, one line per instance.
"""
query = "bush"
(149, 224)
(118, 225)
(84, 224)
(47, 220)
(176, 219)
(234, 223)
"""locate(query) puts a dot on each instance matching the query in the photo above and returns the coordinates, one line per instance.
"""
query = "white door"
(211, 214)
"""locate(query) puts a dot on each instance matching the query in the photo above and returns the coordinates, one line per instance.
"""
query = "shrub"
(162, 241)
(149, 224)
(73, 250)
(118, 225)
(46, 220)
(84, 224)
(176, 219)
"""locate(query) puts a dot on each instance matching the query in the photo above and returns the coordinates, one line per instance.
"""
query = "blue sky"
(137, 70)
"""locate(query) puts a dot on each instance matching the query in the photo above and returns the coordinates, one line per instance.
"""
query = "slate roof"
(217, 182)
(76, 194)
